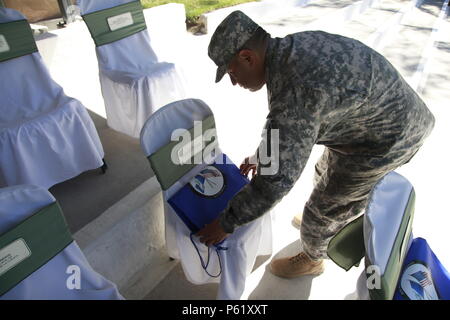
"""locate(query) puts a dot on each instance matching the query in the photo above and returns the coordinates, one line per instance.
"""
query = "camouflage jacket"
(335, 91)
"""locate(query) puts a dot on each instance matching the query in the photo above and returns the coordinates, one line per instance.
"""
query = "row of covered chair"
(133, 86)
(47, 137)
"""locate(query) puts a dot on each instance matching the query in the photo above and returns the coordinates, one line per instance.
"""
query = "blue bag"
(201, 200)
(423, 277)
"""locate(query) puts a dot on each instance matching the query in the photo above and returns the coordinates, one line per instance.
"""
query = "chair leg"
(104, 167)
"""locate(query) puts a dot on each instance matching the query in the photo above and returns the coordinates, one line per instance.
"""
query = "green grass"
(195, 8)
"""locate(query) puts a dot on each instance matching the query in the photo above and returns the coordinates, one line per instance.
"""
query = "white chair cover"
(134, 84)
(17, 203)
(46, 137)
(382, 220)
(244, 245)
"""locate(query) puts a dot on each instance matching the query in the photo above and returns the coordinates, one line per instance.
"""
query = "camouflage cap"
(230, 36)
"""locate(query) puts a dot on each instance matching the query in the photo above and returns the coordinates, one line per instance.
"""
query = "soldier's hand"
(246, 167)
(212, 233)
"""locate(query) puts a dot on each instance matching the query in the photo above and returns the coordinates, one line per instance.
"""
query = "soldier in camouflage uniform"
(322, 89)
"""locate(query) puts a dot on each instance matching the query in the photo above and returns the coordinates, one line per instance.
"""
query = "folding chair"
(382, 235)
(134, 83)
(245, 244)
(39, 258)
(46, 137)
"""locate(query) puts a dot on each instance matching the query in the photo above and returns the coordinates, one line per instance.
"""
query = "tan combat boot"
(297, 221)
(296, 266)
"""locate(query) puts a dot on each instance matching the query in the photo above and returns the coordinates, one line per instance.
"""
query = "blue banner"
(423, 277)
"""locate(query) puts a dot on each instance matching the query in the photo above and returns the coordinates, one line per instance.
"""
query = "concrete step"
(185, 290)
(126, 244)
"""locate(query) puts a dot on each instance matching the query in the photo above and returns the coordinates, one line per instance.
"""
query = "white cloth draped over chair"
(50, 281)
(387, 234)
(382, 235)
(134, 83)
(46, 137)
(244, 245)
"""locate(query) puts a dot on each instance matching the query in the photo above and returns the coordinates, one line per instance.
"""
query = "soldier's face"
(247, 70)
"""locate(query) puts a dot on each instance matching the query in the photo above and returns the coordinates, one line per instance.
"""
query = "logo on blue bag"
(209, 182)
(417, 282)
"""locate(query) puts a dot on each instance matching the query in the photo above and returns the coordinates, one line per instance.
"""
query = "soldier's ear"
(247, 56)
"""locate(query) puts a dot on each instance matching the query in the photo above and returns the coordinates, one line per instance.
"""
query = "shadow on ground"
(87, 196)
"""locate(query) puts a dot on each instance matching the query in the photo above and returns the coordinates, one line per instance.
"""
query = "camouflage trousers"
(341, 188)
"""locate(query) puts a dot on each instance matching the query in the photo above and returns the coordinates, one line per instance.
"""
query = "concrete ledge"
(148, 277)
(126, 244)
(135, 200)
